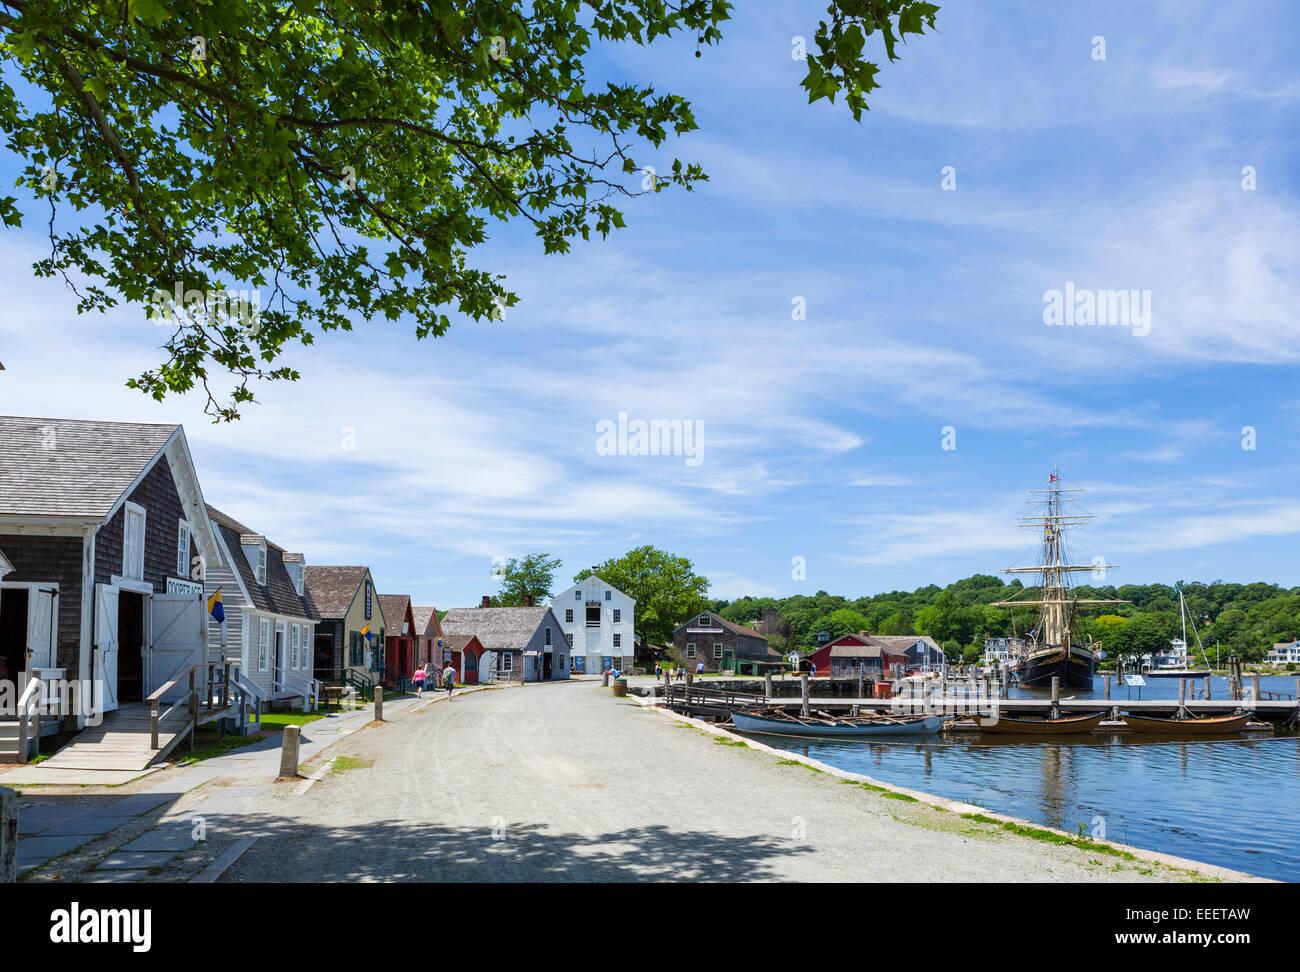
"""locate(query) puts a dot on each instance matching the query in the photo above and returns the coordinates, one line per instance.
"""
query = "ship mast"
(1056, 617)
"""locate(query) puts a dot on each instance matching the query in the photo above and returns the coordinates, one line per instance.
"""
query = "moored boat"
(1067, 725)
(1189, 726)
(783, 724)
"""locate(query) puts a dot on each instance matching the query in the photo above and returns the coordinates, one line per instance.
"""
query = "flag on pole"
(1053, 478)
(366, 632)
(216, 609)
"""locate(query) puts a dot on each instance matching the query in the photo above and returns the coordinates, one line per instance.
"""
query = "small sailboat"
(778, 722)
(1065, 725)
(1192, 725)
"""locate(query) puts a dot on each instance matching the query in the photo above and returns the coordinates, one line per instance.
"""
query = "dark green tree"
(530, 576)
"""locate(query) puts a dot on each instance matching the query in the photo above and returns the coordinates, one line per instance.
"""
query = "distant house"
(851, 655)
(921, 651)
(598, 624)
(720, 645)
(525, 643)
(428, 636)
(400, 639)
(1284, 653)
(270, 622)
(347, 603)
(998, 650)
(104, 532)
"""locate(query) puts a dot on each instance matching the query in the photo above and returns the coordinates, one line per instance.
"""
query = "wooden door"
(105, 669)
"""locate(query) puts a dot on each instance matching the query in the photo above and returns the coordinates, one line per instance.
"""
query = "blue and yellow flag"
(215, 607)
(366, 631)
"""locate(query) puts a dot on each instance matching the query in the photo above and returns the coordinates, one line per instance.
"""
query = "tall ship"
(1050, 649)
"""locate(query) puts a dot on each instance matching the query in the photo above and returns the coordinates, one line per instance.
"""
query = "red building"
(850, 654)
(463, 653)
(400, 635)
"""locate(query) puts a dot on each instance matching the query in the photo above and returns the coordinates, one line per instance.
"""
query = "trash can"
(620, 687)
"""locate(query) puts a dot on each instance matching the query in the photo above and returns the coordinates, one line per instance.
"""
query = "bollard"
(1254, 687)
(8, 835)
(804, 710)
(379, 703)
(1056, 696)
(289, 752)
(1107, 680)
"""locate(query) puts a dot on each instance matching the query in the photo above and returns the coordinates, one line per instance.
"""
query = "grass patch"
(722, 741)
(795, 762)
(1037, 833)
(209, 744)
(344, 763)
(887, 794)
(276, 721)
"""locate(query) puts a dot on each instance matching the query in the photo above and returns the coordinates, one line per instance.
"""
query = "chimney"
(487, 601)
(528, 600)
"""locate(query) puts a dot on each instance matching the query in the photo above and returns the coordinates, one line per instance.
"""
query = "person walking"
(449, 679)
(418, 678)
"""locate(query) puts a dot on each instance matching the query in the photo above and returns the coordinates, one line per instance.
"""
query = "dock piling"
(803, 711)
(1056, 696)
(1107, 683)
(767, 685)
(379, 703)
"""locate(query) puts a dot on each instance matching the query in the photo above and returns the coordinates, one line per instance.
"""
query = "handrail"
(210, 685)
(29, 706)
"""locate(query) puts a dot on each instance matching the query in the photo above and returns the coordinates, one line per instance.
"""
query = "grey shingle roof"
(278, 593)
(425, 621)
(332, 588)
(500, 629)
(83, 472)
(394, 607)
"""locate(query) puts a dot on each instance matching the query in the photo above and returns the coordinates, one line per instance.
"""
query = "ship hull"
(1074, 668)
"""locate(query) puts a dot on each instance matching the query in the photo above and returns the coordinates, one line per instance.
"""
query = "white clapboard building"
(597, 619)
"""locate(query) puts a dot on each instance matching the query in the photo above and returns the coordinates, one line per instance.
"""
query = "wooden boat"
(1040, 727)
(1191, 726)
(780, 723)
(1177, 673)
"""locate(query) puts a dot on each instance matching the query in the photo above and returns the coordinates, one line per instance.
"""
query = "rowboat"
(1040, 727)
(784, 724)
(1198, 724)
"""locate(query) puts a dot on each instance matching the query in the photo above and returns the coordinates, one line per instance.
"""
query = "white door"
(40, 630)
(277, 659)
(105, 670)
(178, 640)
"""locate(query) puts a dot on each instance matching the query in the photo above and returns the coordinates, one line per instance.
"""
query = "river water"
(1228, 800)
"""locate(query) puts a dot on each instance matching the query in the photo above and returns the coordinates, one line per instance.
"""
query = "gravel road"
(562, 782)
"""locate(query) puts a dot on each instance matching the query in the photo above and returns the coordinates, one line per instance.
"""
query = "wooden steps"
(122, 740)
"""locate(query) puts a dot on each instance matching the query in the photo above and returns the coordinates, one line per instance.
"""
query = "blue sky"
(822, 437)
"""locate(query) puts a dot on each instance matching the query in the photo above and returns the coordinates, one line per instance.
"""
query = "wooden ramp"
(121, 741)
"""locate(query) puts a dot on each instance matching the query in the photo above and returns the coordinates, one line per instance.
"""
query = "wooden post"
(379, 703)
(1254, 685)
(767, 686)
(1056, 696)
(690, 679)
(289, 752)
(153, 724)
(1107, 683)
(804, 710)
(861, 679)
(1182, 692)
(8, 835)
(1207, 688)
(225, 687)
(988, 692)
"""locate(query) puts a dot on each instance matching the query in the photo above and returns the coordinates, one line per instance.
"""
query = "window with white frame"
(293, 646)
(577, 595)
(548, 636)
(690, 649)
(261, 564)
(618, 615)
(717, 649)
(608, 595)
(133, 542)
(568, 615)
(507, 660)
(263, 643)
(569, 638)
(618, 641)
(183, 549)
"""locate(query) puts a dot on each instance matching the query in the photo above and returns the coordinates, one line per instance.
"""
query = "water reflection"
(1203, 798)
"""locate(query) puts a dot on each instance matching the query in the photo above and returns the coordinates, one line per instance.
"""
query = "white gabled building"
(597, 619)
